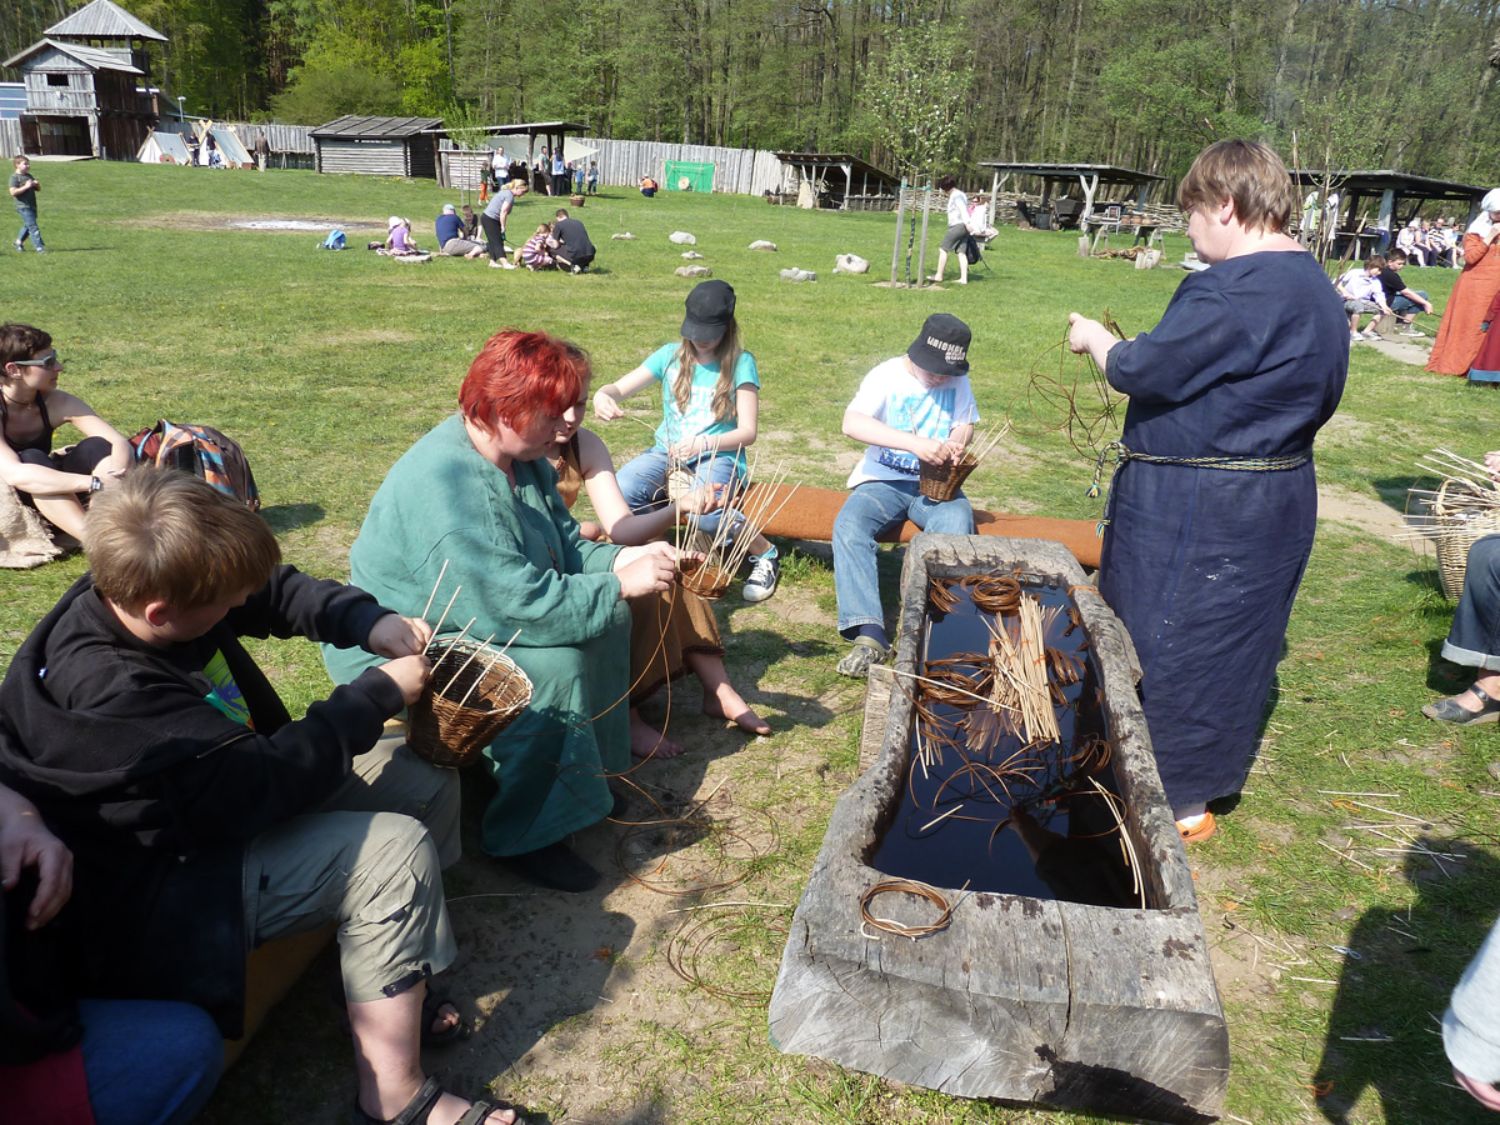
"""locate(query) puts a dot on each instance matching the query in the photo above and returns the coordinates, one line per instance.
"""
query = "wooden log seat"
(270, 973)
(809, 514)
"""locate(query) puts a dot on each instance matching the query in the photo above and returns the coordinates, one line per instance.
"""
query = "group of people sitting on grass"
(161, 813)
(562, 244)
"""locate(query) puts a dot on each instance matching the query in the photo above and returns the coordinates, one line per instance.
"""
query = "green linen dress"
(522, 565)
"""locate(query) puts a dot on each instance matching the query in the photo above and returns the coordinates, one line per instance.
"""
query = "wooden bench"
(809, 514)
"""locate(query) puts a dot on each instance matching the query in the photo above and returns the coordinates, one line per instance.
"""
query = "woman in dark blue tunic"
(1214, 502)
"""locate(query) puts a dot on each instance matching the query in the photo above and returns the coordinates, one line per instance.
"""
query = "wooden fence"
(739, 171)
(10, 138)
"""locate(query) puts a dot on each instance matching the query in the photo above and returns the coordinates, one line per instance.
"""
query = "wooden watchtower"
(87, 88)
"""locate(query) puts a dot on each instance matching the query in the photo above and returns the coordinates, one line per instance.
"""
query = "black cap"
(710, 308)
(942, 347)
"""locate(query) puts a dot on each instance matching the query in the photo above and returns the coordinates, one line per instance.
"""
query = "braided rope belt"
(1117, 453)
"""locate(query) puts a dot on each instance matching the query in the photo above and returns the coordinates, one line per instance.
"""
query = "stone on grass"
(762, 244)
(624, 236)
(691, 255)
(682, 238)
(694, 271)
(850, 263)
(798, 275)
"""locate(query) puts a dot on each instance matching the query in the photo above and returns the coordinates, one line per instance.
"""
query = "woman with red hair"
(478, 497)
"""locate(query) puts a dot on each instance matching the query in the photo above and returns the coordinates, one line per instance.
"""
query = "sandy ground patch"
(262, 224)
(1365, 513)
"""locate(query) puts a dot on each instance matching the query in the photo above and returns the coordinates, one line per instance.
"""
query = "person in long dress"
(1461, 333)
(478, 494)
(1214, 502)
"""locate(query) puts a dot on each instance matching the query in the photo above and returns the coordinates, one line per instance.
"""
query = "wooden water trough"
(1026, 999)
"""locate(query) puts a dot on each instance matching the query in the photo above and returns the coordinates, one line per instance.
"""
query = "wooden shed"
(82, 79)
(378, 146)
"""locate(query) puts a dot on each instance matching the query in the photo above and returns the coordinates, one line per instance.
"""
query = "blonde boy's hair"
(165, 535)
(1248, 172)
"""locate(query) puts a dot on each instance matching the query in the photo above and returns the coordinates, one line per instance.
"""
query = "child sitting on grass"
(536, 254)
(203, 820)
(911, 409)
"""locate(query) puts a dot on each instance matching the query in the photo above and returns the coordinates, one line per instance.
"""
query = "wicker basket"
(704, 579)
(942, 482)
(1463, 520)
(447, 734)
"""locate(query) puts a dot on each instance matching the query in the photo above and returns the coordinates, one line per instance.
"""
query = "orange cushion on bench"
(809, 513)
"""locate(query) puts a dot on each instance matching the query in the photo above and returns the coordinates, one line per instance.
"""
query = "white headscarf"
(1483, 224)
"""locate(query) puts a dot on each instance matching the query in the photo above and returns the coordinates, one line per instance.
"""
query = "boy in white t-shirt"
(913, 408)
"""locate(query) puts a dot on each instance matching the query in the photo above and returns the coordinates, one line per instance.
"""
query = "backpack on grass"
(336, 240)
(202, 451)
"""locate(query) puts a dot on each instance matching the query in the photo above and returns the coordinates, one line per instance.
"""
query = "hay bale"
(682, 238)
(798, 275)
(850, 263)
(762, 244)
(694, 271)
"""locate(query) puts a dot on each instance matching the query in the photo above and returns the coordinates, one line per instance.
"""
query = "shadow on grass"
(1382, 1032)
(289, 517)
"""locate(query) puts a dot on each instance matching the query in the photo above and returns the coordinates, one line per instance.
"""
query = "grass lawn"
(1334, 948)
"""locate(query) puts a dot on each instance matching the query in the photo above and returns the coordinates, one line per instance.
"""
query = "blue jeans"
(1402, 305)
(643, 482)
(28, 226)
(149, 1062)
(874, 508)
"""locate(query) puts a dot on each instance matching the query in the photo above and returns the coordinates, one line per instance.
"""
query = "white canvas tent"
(163, 148)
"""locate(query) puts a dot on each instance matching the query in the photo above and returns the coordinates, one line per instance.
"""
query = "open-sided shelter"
(1060, 178)
(834, 175)
(1397, 196)
(82, 79)
(378, 146)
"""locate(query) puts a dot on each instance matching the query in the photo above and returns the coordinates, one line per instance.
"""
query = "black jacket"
(156, 791)
(573, 242)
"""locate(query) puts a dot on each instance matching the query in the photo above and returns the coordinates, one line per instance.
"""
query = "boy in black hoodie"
(203, 820)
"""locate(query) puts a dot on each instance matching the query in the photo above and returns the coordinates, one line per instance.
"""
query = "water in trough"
(1043, 830)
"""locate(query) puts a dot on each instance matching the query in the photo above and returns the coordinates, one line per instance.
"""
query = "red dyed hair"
(518, 376)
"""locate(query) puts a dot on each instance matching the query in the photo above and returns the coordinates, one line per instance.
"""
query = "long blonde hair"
(727, 352)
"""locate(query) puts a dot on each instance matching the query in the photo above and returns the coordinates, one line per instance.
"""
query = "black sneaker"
(556, 867)
(763, 578)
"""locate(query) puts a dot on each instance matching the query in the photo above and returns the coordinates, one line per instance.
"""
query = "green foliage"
(917, 98)
(325, 88)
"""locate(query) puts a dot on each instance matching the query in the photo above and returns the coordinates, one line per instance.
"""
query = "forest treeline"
(917, 83)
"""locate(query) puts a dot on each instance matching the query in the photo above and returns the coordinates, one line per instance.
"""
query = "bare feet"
(726, 703)
(648, 742)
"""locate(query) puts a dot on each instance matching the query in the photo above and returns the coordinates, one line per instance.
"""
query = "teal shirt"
(679, 425)
(521, 564)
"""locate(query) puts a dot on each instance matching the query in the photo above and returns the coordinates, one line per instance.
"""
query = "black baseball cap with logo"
(710, 308)
(942, 347)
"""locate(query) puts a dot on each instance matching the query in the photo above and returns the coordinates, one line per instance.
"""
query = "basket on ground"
(476, 691)
(942, 482)
(1463, 517)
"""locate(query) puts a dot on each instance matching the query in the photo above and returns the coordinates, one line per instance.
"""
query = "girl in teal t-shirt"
(710, 412)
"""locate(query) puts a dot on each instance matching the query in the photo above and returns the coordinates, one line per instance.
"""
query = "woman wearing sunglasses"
(31, 409)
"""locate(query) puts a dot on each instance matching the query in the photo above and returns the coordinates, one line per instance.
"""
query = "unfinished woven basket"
(707, 581)
(942, 482)
(447, 731)
(1462, 519)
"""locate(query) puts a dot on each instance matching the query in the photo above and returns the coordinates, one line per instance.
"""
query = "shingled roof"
(103, 19)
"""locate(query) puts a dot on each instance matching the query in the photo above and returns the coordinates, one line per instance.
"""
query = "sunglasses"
(49, 360)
